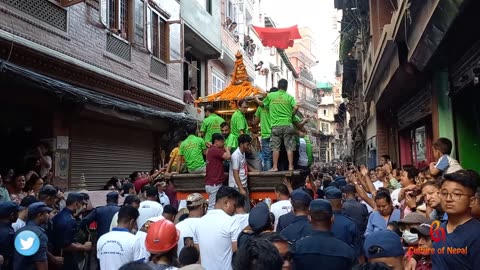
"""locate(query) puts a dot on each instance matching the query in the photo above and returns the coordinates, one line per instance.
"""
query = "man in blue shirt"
(64, 228)
(8, 215)
(344, 228)
(300, 227)
(322, 250)
(458, 238)
(37, 217)
(354, 209)
(102, 215)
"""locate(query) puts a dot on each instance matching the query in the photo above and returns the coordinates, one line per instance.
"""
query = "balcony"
(306, 78)
(230, 46)
(309, 104)
(302, 52)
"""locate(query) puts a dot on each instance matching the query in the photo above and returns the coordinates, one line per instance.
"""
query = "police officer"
(344, 228)
(354, 209)
(300, 226)
(8, 215)
(37, 217)
(102, 215)
(64, 228)
(322, 247)
(48, 195)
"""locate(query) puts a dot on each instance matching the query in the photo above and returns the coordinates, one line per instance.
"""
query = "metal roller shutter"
(100, 151)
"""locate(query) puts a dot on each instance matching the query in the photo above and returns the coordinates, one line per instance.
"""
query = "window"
(115, 14)
(139, 22)
(206, 4)
(164, 38)
(217, 84)
(325, 112)
(325, 128)
(156, 35)
(232, 11)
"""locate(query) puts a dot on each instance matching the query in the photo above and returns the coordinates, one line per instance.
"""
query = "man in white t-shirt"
(149, 208)
(238, 174)
(283, 205)
(216, 233)
(120, 246)
(240, 214)
(142, 235)
(196, 206)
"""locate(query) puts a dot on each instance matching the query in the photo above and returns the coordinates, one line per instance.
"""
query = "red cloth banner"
(280, 38)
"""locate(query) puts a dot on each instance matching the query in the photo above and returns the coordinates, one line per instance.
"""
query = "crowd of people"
(345, 217)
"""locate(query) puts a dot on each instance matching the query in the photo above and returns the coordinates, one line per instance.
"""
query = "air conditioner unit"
(275, 68)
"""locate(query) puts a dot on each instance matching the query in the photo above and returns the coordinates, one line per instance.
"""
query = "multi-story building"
(202, 42)
(326, 122)
(413, 77)
(236, 34)
(101, 81)
(302, 56)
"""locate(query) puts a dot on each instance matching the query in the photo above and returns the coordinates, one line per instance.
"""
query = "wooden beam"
(67, 3)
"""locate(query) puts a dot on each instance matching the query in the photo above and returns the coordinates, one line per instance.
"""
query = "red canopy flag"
(281, 38)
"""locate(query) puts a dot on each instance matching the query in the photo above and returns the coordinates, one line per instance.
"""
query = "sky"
(317, 15)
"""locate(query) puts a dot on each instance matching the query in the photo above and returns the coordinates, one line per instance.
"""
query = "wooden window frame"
(116, 29)
(164, 38)
(68, 3)
(134, 23)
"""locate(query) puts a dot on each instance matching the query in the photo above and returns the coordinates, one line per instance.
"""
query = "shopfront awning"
(85, 96)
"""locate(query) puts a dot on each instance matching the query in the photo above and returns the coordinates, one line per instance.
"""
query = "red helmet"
(162, 236)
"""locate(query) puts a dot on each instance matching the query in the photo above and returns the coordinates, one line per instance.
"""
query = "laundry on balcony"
(280, 38)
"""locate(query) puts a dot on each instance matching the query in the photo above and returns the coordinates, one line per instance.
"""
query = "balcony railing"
(307, 74)
(302, 49)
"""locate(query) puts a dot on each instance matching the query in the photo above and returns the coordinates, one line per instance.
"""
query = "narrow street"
(239, 134)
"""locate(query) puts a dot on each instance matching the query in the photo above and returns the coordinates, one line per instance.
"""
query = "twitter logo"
(27, 243)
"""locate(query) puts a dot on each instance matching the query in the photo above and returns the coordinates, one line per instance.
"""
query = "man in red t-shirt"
(215, 175)
(140, 182)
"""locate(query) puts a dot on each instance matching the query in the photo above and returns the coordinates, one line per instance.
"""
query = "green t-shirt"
(192, 151)
(309, 150)
(265, 125)
(232, 142)
(280, 104)
(210, 126)
(237, 123)
(296, 119)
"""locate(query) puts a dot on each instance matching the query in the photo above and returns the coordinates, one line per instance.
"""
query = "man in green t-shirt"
(211, 124)
(191, 152)
(282, 108)
(262, 116)
(238, 124)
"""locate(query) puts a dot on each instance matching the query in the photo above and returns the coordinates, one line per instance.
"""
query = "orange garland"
(238, 88)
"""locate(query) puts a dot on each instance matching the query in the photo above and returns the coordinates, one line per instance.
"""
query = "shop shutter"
(418, 107)
(100, 151)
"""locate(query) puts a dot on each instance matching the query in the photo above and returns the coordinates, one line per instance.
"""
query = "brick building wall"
(382, 136)
(85, 39)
